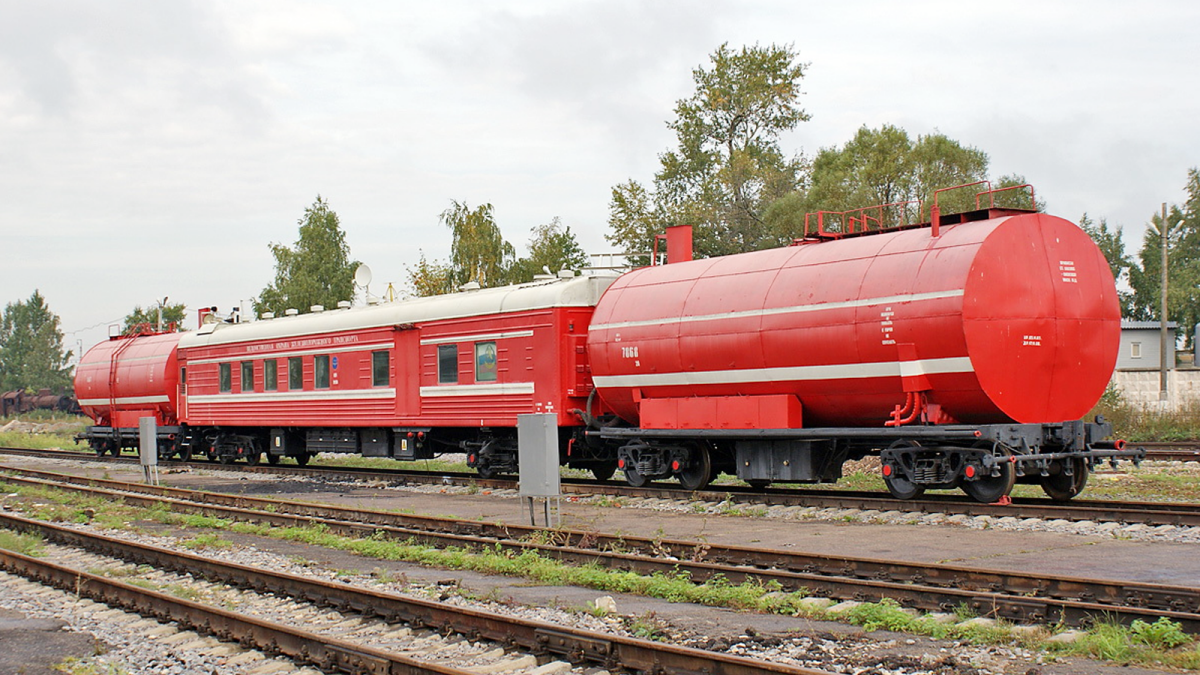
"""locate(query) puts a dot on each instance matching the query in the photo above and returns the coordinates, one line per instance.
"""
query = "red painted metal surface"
(126, 378)
(1011, 317)
(533, 361)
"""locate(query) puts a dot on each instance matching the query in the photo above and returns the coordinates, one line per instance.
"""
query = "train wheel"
(758, 483)
(253, 457)
(898, 484)
(184, 452)
(604, 470)
(302, 458)
(225, 458)
(698, 472)
(901, 487)
(634, 478)
(114, 449)
(989, 489)
(272, 459)
(1062, 487)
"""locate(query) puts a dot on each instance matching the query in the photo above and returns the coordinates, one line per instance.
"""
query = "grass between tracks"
(1159, 643)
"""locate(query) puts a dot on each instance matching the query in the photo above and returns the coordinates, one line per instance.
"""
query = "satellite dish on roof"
(362, 275)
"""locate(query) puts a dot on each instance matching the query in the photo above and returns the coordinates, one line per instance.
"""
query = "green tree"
(728, 165)
(1018, 197)
(551, 246)
(430, 278)
(318, 271)
(1183, 264)
(886, 166)
(171, 314)
(478, 251)
(31, 347)
(1113, 247)
(634, 220)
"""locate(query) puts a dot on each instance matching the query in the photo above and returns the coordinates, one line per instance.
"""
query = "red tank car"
(124, 379)
(1008, 319)
(781, 364)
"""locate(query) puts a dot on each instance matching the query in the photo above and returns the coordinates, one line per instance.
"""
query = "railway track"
(1176, 451)
(416, 634)
(1179, 514)
(1020, 597)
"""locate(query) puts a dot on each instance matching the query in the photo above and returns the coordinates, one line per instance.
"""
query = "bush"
(1163, 633)
(1136, 424)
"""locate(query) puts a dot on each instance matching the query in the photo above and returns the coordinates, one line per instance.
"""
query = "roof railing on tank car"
(858, 221)
(872, 219)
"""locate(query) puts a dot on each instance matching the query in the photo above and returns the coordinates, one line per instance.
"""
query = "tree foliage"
(1111, 244)
(430, 278)
(886, 166)
(172, 314)
(551, 246)
(317, 271)
(31, 347)
(478, 251)
(1183, 264)
(728, 166)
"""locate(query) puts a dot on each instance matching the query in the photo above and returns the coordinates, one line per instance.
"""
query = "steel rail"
(1178, 451)
(578, 645)
(1179, 514)
(326, 652)
(932, 587)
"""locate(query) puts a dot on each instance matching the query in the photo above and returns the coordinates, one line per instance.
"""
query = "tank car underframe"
(985, 460)
(112, 440)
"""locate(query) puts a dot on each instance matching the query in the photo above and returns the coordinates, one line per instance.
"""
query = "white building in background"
(1137, 374)
(1141, 345)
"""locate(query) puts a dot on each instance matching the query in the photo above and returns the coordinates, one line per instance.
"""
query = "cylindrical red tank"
(143, 381)
(1014, 318)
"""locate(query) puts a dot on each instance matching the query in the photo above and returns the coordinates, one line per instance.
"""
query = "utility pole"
(1162, 329)
(160, 311)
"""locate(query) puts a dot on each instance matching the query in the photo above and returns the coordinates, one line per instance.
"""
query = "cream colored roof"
(582, 291)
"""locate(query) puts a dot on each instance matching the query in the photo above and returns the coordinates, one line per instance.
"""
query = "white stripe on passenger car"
(478, 389)
(276, 396)
(477, 338)
(256, 356)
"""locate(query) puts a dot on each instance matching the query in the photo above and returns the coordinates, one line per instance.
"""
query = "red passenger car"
(406, 380)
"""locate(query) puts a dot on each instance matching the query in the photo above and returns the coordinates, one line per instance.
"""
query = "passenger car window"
(295, 373)
(448, 364)
(224, 380)
(485, 361)
(321, 371)
(247, 376)
(380, 369)
(270, 375)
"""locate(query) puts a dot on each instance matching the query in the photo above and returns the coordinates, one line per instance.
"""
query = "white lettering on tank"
(886, 326)
(1067, 269)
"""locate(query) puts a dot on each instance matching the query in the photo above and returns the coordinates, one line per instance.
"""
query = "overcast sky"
(152, 148)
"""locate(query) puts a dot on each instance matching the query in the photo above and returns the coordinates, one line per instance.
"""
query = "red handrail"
(935, 213)
(992, 195)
